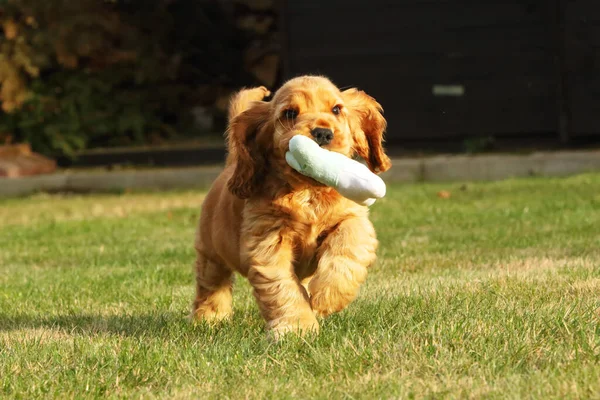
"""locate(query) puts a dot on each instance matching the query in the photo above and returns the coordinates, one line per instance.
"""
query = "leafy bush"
(89, 73)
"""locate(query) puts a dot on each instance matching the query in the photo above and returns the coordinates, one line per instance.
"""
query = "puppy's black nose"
(322, 136)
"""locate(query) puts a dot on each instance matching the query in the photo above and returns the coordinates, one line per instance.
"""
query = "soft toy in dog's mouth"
(350, 178)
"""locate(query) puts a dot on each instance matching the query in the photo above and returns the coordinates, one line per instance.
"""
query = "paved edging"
(435, 169)
(493, 167)
(99, 181)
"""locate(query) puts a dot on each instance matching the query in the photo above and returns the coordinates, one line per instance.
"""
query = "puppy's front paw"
(279, 328)
(210, 316)
(327, 302)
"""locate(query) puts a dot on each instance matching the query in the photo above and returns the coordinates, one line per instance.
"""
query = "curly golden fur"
(304, 248)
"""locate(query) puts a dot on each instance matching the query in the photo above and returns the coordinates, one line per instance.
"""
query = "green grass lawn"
(491, 293)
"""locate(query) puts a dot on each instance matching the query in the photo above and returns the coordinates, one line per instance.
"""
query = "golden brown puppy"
(304, 248)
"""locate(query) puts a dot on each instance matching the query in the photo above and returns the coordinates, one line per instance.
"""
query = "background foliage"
(95, 73)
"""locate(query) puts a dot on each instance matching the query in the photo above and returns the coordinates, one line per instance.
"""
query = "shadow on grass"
(166, 324)
(245, 325)
(363, 317)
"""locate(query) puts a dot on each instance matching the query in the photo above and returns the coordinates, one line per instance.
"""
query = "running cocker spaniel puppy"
(304, 248)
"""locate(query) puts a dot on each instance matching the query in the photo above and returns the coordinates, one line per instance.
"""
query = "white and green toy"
(350, 178)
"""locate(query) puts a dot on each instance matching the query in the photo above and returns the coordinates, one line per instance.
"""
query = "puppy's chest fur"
(311, 216)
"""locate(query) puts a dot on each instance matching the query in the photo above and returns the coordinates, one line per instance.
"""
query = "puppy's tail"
(240, 102)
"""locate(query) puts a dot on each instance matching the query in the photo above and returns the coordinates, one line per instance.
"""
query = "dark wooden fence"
(454, 72)
(581, 66)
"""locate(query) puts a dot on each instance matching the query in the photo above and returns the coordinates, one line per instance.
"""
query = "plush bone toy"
(350, 178)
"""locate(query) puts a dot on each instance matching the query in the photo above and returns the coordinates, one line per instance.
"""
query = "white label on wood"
(448, 90)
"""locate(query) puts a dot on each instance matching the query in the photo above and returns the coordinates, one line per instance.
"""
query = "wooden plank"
(431, 66)
(398, 13)
(456, 46)
(500, 105)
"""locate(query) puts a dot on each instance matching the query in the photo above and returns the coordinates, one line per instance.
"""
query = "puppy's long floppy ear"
(368, 126)
(248, 149)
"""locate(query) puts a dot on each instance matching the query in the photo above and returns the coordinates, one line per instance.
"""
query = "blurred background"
(107, 82)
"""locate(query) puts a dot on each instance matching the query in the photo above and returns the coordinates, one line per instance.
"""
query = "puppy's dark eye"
(336, 110)
(290, 113)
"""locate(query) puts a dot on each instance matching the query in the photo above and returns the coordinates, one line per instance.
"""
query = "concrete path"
(434, 169)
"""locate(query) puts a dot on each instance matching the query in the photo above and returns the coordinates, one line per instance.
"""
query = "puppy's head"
(348, 122)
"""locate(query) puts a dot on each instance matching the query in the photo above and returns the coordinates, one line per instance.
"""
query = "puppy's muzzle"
(323, 136)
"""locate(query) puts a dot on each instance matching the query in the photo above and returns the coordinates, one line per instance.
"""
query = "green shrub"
(90, 73)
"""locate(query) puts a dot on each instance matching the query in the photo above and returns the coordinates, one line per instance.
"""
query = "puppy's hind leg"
(213, 290)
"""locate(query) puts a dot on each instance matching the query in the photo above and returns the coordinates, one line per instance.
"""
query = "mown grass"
(491, 293)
